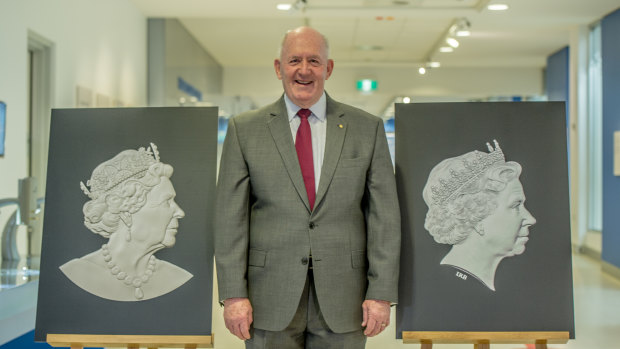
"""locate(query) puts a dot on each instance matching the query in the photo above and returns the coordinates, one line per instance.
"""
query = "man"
(308, 226)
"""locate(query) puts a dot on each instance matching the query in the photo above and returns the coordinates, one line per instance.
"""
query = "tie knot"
(304, 113)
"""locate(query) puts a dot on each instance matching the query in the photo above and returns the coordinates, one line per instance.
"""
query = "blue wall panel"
(610, 27)
(557, 84)
(557, 78)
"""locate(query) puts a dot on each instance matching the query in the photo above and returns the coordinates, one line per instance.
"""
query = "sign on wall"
(127, 237)
(483, 189)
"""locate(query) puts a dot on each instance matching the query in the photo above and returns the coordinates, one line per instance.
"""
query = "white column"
(578, 132)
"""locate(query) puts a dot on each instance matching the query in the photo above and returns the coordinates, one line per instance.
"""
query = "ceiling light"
(284, 7)
(498, 7)
(446, 49)
(422, 70)
(452, 42)
(461, 27)
(406, 100)
(433, 64)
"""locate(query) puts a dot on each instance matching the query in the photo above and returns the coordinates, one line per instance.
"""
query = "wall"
(610, 27)
(556, 75)
(174, 53)
(99, 45)
(263, 87)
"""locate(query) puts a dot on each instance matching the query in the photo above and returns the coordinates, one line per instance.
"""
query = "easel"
(483, 340)
(80, 341)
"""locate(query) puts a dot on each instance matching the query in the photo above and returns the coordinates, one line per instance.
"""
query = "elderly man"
(308, 226)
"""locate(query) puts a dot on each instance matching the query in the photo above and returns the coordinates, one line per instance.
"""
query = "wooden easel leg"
(541, 344)
(427, 345)
(482, 346)
(77, 347)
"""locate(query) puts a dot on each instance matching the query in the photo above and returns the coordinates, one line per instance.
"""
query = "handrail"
(9, 201)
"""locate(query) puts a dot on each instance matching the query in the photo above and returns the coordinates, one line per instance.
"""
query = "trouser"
(307, 329)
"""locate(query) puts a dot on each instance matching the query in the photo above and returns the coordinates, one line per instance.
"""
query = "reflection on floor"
(597, 313)
(14, 273)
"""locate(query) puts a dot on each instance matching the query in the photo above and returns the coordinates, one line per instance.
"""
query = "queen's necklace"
(128, 280)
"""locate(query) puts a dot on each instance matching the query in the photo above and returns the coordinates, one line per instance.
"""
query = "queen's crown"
(449, 187)
(126, 165)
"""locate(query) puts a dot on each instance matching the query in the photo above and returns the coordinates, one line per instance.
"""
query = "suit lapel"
(281, 132)
(336, 131)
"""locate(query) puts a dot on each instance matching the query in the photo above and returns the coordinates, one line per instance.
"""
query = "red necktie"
(303, 145)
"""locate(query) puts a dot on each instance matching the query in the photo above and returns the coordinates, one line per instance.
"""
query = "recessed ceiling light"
(406, 100)
(462, 33)
(284, 7)
(498, 7)
(434, 64)
(422, 70)
(446, 49)
(452, 42)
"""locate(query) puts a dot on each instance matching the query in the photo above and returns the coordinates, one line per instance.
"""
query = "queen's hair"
(452, 221)
(103, 213)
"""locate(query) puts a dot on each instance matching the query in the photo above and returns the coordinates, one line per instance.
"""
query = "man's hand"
(376, 316)
(238, 316)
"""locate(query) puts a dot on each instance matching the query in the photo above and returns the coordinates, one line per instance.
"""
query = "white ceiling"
(248, 32)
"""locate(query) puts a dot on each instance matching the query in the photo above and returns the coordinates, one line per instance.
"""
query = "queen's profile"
(476, 204)
(131, 204)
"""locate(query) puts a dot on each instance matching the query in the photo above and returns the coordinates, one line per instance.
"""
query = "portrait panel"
(483, 189)
(127, 236)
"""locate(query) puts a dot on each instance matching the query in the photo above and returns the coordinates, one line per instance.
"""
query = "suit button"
(304, 261)
(311, 225)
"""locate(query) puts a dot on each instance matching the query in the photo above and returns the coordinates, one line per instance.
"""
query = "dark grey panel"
(80, 139)
(533, 291)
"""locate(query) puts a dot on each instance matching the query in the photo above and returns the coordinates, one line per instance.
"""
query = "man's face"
(303, 67)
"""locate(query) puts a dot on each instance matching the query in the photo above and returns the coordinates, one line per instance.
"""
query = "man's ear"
(330, 68)
(276, 65)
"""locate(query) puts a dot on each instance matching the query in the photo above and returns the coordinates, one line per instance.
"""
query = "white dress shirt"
(318, 128)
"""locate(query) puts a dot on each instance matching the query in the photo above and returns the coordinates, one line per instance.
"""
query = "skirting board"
(611, 269)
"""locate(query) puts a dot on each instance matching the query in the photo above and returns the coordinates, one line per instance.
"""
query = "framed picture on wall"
(2, 126)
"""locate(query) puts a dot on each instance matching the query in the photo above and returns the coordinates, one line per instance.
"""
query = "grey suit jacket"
(265, 230)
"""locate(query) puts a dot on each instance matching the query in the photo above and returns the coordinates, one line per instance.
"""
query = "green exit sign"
(366, 85)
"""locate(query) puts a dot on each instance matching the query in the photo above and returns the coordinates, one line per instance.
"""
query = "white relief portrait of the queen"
(132, 205)
(476, 204)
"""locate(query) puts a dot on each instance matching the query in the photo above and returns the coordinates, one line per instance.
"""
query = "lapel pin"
(340, 125)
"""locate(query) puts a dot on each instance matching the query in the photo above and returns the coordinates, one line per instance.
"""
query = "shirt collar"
(319, 109)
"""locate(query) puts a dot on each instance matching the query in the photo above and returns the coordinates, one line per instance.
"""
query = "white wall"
(100, 45)
(174, 53)
(263, 87)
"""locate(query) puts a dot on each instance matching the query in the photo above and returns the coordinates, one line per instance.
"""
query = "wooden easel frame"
(79, 341)
(483, 340)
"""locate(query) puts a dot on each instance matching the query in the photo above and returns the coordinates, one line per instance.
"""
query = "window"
(595, 131)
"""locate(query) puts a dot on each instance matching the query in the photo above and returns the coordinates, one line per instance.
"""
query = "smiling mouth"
(305, 83)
